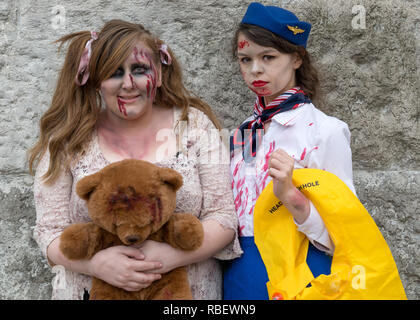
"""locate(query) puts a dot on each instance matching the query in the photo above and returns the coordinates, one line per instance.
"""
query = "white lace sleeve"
(213, 162)
(51, 204)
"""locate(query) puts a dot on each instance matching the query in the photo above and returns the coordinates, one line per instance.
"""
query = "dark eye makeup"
(136, 70)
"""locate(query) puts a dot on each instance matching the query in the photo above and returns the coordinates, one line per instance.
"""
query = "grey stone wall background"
(367, 51)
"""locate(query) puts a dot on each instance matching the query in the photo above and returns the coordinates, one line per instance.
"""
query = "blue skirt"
(245, 278)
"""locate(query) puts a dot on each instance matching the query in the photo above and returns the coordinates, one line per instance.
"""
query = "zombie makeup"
(121, 107)
(132, 88)
(266, 71)
(121, 102)
(242, 44)
(143, 57)
(133, 84)
(260, 91)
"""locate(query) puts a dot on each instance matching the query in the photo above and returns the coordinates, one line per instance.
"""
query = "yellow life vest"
(362, 265)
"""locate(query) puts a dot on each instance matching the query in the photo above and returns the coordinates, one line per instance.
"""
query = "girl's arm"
(216, 237)
(332, 154)
(304, 213)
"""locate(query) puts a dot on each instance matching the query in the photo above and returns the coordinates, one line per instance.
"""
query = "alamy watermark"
(359, 20)
(59, 281)
(359, 279)
(210, 146)
(58, 20)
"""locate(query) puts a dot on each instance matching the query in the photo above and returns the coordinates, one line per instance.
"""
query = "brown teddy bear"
(130, 201)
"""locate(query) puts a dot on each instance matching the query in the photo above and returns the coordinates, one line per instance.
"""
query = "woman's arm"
(218, 209)
(215, 239)
(120, 266)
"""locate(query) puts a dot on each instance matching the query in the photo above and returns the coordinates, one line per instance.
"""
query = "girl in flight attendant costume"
(285, 132)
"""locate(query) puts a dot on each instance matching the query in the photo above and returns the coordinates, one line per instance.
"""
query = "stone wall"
(367, 51)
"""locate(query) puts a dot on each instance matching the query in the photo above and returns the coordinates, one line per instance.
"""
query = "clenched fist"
(280, 168)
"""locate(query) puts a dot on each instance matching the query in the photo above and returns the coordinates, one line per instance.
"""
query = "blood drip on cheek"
(148, 88)
(133, 85)
(151, 78)
(121, 107)
(151, 86)
(253, 90)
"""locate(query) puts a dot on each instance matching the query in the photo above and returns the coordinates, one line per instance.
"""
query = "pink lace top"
(206, 193)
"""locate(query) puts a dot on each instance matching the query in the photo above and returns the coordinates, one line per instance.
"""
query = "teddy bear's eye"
(125, 197)
(131, 191)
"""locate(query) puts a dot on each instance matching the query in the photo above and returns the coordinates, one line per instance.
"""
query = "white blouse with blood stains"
(314, 140)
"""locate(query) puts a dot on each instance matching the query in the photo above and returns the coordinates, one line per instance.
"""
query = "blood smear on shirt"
(303, 154)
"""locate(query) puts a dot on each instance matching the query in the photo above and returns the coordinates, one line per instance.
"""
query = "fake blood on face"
(242, 44)
(133, 85)
(148, 88)
(151, 86)
(140, 55)
(121, 107)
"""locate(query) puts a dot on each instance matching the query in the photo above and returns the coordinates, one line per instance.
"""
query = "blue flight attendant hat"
(279, 21)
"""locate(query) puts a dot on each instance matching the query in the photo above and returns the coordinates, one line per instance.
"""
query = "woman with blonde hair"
(117, 91)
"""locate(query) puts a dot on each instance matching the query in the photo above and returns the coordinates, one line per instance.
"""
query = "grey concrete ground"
(368, 52)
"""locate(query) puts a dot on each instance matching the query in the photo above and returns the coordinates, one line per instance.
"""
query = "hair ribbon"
(165, 57)
(83, 69)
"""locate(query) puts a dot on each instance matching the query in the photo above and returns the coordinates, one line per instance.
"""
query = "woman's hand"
(216, 237)
(169, 257)
(124, 267)
(281, 167)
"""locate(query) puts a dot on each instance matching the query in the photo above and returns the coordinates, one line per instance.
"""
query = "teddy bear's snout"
(132, 239)
(132, 235)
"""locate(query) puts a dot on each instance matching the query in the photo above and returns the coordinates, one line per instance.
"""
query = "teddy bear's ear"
(171, 177)
(86, 185)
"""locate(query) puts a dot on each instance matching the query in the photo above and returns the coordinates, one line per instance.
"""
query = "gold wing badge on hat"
(295, 29)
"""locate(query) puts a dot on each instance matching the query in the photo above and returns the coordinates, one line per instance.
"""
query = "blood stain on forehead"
(242, 44)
